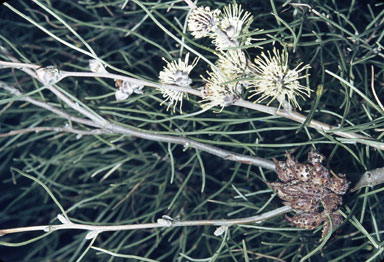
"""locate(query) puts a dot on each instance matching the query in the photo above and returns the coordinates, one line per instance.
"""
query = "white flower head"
(203, 21)
(232, 62)
(176, 73)
(220, 90)
(277, 80)
(234, 22)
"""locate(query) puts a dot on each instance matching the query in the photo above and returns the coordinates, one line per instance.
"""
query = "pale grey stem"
(295, 116)
(172, 223)
(118, 129)
(64, 74)
(60, 95)
(16, 65)
(186, 142)
(370, 178)
(22, 97)
(190, 4)
(75, 106)
(132, 80)
(56, 129)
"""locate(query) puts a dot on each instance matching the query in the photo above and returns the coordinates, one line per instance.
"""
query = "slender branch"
(21, 97)
(373, 89)
(297, 117)
(370, 178)
(190, 4)
(188, 90)
(75, 106)
(64, 74)
(186, 142)
(16, 65)
(292, 115)
(57, 129)
(96, 118)
(164, 222)
(118, 129)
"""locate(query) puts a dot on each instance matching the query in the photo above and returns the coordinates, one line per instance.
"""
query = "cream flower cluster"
(224, 27)
(268, 77)
(225, 83)
(234, 23)
(219, 90)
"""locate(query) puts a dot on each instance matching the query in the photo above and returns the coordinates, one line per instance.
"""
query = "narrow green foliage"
(52, 164)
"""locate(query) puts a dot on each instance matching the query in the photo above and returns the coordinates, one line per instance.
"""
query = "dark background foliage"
(346, 39)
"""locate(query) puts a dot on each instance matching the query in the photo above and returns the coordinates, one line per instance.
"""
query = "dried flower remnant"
(49, 74)
(126, 88)
(202, 21)
(234, 22)
(176, 73)
(277, 80)
(311, 191)
(220, 90)
(96, 66)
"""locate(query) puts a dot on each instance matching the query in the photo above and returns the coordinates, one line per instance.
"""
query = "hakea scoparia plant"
(268, 77)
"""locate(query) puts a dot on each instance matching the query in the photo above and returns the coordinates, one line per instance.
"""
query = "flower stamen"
(176, 73)
(276, 80)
